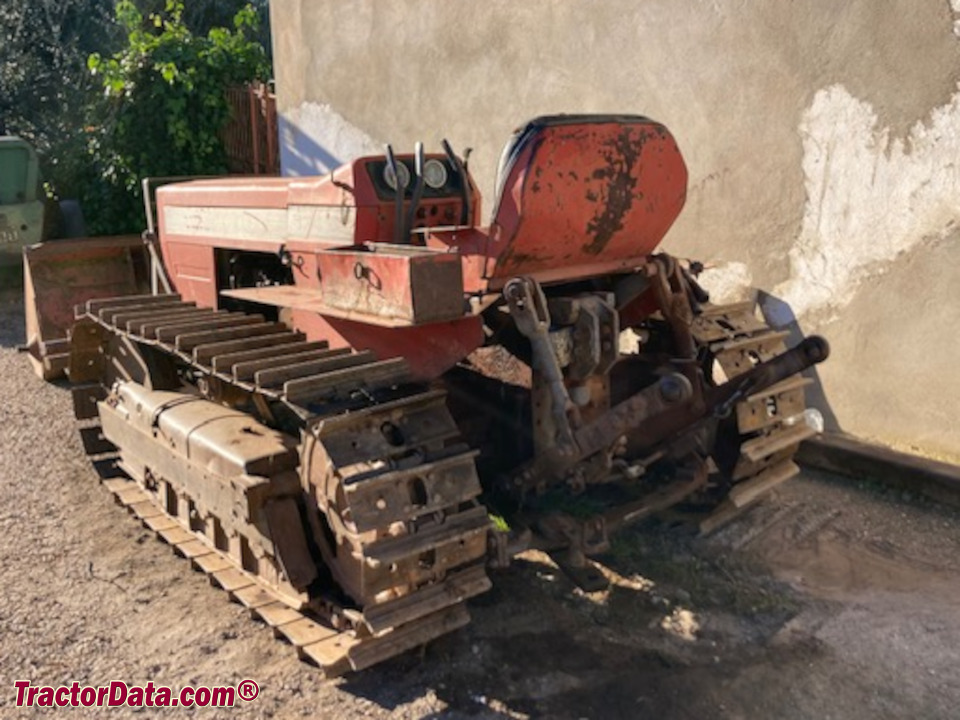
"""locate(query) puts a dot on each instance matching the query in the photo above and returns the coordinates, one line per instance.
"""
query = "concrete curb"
(846, 455)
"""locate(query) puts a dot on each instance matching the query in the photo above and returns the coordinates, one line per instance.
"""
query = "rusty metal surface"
(528, 307)
(63, 273)
(354, 466)
(648, 405)
(233, 482)
(619, 185)
(315, 398)
(430, 349)
(333, 650)
(676, 415)
(220, 439)
(409, 284)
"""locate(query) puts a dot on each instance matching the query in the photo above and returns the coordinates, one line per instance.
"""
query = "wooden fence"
(250, 137)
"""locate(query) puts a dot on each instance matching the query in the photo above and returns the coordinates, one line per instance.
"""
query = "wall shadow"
(300, 154)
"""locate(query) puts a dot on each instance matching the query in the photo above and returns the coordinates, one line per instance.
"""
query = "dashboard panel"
(452, 186)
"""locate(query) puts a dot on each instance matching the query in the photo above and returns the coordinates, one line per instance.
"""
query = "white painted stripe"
(296, 222)
(321, 222)
(225, 223)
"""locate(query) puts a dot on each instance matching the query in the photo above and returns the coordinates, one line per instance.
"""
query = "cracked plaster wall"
(822, 138)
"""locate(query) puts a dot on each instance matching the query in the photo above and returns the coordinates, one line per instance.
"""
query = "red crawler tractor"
(337, 381)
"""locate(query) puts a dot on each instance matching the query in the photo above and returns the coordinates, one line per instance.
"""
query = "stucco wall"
(822, 138)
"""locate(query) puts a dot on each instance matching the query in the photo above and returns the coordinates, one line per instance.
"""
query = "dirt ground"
(826, 601)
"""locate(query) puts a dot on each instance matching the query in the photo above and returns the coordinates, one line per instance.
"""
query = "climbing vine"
(164, 107)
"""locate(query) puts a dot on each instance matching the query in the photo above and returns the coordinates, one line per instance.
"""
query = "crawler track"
(763, 430)
(368, 466)
(386, 492)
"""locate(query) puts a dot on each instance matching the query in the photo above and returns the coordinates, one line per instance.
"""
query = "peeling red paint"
(618, 194)
(615, 188)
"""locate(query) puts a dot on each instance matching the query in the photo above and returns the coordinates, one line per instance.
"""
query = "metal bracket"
(528, 306)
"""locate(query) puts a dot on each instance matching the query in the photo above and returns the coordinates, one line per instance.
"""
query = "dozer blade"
(60, 274)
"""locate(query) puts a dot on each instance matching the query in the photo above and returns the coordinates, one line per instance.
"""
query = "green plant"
(45, 87)
(165, 107)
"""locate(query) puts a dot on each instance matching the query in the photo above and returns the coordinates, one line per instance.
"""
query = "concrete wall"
(822, 138)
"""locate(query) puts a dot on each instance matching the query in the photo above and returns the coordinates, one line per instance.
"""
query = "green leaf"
(164, 108)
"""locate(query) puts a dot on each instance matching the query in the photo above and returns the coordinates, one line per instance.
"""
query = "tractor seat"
(581, 194)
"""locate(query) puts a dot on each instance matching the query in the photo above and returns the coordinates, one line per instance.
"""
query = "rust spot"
(520, 258)
(617, 195)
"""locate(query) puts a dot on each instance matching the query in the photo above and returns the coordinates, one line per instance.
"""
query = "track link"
(769, 424)
(389, 496)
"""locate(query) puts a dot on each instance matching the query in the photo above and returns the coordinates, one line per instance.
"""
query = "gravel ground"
(825, 601)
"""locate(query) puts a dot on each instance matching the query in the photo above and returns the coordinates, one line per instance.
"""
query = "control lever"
(417, 192)
(461, 169)
(398, 236)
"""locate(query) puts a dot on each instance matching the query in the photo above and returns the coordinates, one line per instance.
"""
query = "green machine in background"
(21, 202)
